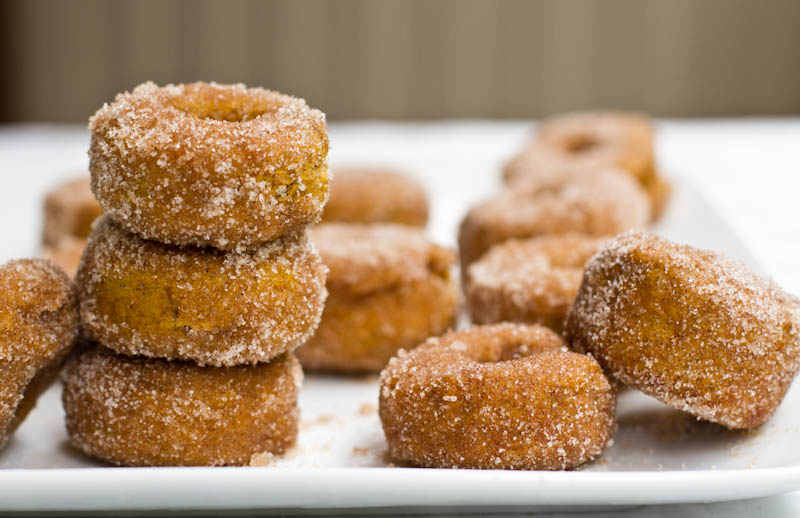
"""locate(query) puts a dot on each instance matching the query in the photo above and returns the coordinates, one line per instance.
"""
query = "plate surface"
(659, 455)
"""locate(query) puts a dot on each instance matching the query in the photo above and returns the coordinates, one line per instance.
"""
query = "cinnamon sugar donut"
(200, 304)
(689, 327)
(603, 138)
(208, 164)
(505, 396)
(533, 281)
(136, 411)
(376, 195)
(69, 211)
(590, 141)
(600, 203)
(389, 286)
(38, 326)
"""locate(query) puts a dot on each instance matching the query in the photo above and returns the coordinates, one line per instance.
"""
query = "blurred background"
(410, 59)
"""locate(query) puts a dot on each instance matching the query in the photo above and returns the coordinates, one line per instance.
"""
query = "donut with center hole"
(503, 396)
(208, 164)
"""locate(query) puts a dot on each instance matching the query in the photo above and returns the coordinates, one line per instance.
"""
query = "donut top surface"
(370, 257)
(281, 128)
(603, 138)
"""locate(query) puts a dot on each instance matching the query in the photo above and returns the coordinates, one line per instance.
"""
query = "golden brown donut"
(209, 164)
(689, 327)
(376, 195)
(598, 203)
(587, 141)
(69, 211)
(603, 138)
(136, 411)
(200, 304)
(389, 287)
(532, 281)
(505, 396)
(38, 326)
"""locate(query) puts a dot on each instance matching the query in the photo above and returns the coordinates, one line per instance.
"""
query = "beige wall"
(411, 59)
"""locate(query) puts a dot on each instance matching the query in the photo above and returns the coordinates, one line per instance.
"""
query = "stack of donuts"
(390, 286)
(199, 280)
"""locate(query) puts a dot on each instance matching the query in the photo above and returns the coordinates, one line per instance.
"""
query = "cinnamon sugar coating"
(504, 396)
(689, 327)
(390, 288)
(38, 326)
(201, 304)
(69, 210)
(533, 281)
(208, 164)
(376, 195)
(136, 411)
(596, 203)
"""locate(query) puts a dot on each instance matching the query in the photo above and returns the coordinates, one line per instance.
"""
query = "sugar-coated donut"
(38, 326)
(209, 164)
(390, 288)
(201, 304)
(69, 210)
(598, 203)
(136, 411)
(689, 327)
(376, 195)
(505, 396)
(533, 280)
(603, 138)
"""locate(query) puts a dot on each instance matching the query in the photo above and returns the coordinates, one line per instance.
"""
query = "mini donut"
(602, 139)
(389, 287)
(599, 203)
(201, 304)
(69, 211)
(533, 281)
(689, 327)
(540, 163)
(208, 164)
(137, 411)
(504, 396)
(38, 326)
(66, 253)
(376, 195)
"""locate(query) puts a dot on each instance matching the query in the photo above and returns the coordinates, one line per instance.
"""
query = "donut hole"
(504, 352)
(221, 106)
(581, 143)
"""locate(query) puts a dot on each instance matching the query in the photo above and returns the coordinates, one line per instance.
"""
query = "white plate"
(659, 455)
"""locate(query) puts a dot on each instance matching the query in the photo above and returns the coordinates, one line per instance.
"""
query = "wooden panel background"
(415, 59)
